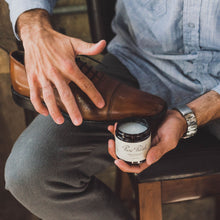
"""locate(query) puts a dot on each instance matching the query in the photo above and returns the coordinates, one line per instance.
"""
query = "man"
(171, 48)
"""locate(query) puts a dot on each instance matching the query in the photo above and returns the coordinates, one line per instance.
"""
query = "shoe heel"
(21, 100)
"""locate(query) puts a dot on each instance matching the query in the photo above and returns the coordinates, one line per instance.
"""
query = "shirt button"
(191, 25)
(201, 68)
(193, 51)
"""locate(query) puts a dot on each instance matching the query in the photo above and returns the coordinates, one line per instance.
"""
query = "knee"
(34, 168)
(27, 169)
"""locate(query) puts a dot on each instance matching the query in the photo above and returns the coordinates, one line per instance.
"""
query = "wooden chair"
(191, 171)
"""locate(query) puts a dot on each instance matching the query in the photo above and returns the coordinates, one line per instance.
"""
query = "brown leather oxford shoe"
(121, 100)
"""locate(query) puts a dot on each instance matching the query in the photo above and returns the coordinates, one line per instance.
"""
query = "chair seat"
(197, 156)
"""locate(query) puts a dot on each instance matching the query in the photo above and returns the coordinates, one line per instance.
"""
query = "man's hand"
(50, 62)
(206, 108)
(166, 139)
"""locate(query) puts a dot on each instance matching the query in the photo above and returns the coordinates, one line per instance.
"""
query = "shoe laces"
(89, 70)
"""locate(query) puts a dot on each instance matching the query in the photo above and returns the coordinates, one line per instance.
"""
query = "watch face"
(192, 125)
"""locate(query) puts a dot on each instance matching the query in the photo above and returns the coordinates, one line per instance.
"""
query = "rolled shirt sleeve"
(17, 7)
(217, 89)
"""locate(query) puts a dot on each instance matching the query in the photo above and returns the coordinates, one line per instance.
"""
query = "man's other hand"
(166, 139)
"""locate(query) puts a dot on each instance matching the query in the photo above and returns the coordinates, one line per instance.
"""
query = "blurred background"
(70, 17)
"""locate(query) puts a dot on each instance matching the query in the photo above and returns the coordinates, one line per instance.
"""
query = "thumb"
(154, 154)
(84, 48)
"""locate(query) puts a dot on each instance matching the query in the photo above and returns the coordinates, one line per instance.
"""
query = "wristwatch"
(190, 117)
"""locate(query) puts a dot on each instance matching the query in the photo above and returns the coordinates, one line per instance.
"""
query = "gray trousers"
(51, 167)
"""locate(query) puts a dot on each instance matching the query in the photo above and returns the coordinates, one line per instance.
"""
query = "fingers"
(59, 59)
(156, 152)
(35, 98)
(68, 99)
(84, 48)
(112, 128)
(65, 94)
(86, 86)
(111, 149)
(50, 101)
(125, 167)
(130, 168)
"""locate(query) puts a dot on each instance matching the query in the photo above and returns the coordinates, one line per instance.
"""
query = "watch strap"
(190, 118)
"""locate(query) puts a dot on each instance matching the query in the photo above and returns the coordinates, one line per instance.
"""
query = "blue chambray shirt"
(172, 47)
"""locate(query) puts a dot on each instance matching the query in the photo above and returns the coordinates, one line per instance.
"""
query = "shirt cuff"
(217, 89)
(17, 7)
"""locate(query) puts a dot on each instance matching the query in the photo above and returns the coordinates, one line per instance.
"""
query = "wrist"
(32, 22)
(181, 120)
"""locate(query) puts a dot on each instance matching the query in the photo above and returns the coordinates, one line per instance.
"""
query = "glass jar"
(132, 140)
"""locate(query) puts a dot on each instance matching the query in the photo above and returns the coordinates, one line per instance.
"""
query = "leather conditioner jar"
(132, 140)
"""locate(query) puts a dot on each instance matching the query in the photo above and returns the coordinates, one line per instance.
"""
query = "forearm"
(206, 107)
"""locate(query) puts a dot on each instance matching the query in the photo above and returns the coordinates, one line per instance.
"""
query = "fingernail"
(45, 113)
(78, 121)
(101, 104)
(116, 162)
(60, 120)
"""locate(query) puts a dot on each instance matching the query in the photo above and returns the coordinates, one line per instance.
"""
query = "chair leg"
(217, 207)
(123, 186)
(125, 191)
(150, 206)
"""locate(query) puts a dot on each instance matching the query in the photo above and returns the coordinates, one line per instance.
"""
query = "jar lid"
(132, 130)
